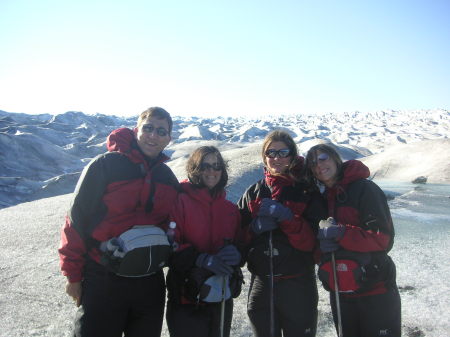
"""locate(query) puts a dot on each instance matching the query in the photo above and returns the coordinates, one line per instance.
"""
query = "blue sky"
(209, 57)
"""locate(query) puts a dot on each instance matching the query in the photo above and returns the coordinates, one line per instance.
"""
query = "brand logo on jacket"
(384, 332)
(342, 267)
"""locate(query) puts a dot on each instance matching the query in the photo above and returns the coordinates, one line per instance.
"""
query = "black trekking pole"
(326, 224)
(222, 304)
(336, 293)
(271, 287)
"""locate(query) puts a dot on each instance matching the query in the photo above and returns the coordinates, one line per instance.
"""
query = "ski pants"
(369, 316)
(112, 305)
(202, 320)
(295, 306)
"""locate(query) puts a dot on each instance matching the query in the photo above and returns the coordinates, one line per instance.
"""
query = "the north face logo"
(341, 267)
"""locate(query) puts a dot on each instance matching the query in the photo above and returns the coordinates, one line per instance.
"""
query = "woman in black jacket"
(280, 242)
(359, 233)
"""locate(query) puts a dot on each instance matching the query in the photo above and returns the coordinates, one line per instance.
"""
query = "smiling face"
(209, 175)
(150, 136)
(325, 168)
(277, 165)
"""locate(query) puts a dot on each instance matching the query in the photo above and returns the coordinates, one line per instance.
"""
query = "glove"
(214, 264)
(230, 255)
(263, 224)
(274, 209)
(334, 232)
(329, 235)
(328, 246)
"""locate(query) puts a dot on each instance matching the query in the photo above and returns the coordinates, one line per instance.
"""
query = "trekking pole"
(271, 287)
(222, 304)
(336, 292)
(325, 224)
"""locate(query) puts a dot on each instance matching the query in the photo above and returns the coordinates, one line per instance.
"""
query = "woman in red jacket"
(283, 293)
(359, 233)
(207, 229)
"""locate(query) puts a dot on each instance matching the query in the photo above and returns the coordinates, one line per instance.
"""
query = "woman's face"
(325, 168)
(211, 171)
(278, 157)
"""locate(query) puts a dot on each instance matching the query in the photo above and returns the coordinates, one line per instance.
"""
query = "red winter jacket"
(361, 206)
(116, 191)
(204, 221)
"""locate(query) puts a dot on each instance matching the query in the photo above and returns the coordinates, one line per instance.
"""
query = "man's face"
(153, 136)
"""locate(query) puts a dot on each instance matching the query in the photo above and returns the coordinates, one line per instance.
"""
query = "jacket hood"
(353, 170)
(123, 140)
(120, 140)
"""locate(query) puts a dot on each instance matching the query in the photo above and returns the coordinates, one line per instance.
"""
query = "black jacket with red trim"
(295, 240)
(361, 206)
(116, 191)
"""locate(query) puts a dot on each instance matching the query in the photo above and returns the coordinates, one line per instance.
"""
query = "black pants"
(187, 320)
(370, 316)
(112, 305)
(295, 306)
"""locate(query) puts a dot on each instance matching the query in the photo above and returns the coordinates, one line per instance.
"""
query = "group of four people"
(303, 212)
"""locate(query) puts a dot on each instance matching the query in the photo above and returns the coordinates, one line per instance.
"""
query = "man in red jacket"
(127, 186)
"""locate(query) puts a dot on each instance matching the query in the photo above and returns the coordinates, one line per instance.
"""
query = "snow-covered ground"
(42, 155)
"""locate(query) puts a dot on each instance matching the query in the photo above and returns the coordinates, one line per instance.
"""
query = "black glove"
(214, 264)
(328, 246)
(329, 229)
(329, 234)
(230, 255)
(262, 224)
(274, 209)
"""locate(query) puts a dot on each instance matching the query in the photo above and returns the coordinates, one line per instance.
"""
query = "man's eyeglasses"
(282, 153)
(148, 128)
(207, 166)
(320, 158)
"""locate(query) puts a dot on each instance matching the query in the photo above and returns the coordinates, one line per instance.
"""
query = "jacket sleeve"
(245, 211)
(83, 214)
(375, 231)
(298, 230)
(185, 256)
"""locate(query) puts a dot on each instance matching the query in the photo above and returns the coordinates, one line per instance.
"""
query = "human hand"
(230, 255)
(262, 224)
(274, 209)
(214, 264)
(330, 230)
(328, 246)
(74, 291)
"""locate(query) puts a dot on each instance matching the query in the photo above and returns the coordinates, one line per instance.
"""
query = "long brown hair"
(285, 137)
(311, 160)
(194, 163)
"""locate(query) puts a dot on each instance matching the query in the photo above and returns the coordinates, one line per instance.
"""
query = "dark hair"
(157, 112)
(311, 159)
(285, 137)
(193, 168)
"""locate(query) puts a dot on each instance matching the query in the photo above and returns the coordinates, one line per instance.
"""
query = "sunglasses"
(320, 158)
(207, 166)
(148, 128)
(282, 153)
